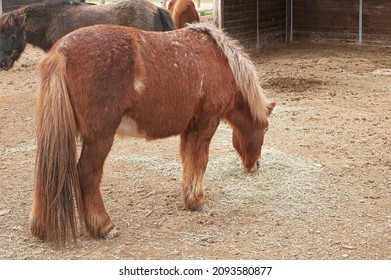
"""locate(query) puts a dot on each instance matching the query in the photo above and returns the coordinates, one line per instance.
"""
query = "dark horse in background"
(207, 80)
(42, 24)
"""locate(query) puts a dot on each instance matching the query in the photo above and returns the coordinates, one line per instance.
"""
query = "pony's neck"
(37, 24)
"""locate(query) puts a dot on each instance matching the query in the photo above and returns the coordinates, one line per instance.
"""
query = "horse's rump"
(166, 19)
(183, 12)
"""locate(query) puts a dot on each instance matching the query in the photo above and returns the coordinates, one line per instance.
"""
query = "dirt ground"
(323, 191)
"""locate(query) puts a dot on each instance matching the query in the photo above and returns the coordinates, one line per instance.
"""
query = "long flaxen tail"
(242, 68)
(57, 187)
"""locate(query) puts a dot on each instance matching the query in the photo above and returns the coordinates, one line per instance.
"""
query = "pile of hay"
(281, 176)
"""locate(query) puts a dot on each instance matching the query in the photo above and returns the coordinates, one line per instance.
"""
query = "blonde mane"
(242, 68)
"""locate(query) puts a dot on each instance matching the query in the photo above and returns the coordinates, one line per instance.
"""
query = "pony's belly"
(128, 127)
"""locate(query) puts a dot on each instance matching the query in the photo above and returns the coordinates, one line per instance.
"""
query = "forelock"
(6, 20)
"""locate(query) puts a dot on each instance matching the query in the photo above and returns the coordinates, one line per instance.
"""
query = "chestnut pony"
(104, 80)
(183, 12)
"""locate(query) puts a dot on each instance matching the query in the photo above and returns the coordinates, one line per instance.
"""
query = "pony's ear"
(20, 19)
(271, 106)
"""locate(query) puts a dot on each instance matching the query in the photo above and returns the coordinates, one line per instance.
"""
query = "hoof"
(112, 234)
(36, 229)
(254, 168)
(193, 203)
(98, 227)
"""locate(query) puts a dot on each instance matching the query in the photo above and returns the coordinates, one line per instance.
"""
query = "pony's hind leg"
(194, 150)
(90, 168)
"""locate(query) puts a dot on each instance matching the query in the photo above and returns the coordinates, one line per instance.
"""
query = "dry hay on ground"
(280, 176)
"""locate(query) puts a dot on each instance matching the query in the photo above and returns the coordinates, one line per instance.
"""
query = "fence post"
(1, 7)
(360, 22)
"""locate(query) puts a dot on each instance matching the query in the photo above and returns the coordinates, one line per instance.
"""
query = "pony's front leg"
(90, 167)
(194, 152)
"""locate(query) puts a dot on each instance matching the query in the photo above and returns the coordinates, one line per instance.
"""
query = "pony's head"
(12, 38)
(248, 140)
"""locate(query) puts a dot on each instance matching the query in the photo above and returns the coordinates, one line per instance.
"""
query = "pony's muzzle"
(5, 61)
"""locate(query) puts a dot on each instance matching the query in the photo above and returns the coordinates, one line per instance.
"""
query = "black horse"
(42, 24)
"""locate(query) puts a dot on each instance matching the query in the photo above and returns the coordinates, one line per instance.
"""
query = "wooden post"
(218, 13)
(1, 7)
(198, 3)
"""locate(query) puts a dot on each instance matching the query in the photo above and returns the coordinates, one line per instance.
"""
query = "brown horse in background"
(42, 24)
(183, 12)
(104, 80)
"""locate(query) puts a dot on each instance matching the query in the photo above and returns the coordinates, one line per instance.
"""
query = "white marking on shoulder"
(139, 85)
(128, 127)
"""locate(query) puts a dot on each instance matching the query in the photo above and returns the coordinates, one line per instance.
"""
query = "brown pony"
(183, 12)
(104, 80)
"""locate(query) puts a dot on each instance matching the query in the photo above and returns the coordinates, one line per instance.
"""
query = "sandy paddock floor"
(323, 191)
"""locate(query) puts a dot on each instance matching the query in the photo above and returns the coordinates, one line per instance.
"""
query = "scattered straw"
(281, 176)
